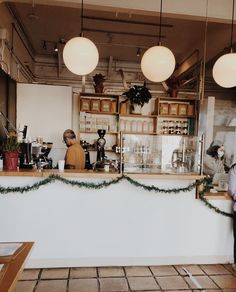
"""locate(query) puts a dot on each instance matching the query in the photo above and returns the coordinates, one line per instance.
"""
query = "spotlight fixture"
(224, 69)
(80, 55)
(138, 54)
(55, 48)
(158, 62)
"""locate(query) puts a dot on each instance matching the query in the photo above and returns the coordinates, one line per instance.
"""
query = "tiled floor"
(121, 279)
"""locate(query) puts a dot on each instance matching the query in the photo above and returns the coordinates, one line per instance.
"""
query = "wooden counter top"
(93, 174)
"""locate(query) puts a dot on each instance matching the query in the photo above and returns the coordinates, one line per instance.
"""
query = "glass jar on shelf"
(185, 127)
(145, 127)
(150, 127)
(127, 126)
(134, 126)
(139, 126)
(122, 125)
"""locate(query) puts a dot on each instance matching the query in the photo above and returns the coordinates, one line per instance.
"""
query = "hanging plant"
(138, 95)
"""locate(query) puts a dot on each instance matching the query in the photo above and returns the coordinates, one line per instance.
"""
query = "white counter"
(118, 225)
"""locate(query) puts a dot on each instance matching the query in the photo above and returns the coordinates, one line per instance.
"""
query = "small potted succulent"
(174, 85)
(11, 150)
(98, 82)
(137, 96)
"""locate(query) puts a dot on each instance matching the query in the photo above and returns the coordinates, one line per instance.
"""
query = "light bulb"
(158, 63)
(80, 56)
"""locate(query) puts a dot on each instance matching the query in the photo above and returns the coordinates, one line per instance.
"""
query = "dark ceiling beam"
(126, 21)
(124, 33)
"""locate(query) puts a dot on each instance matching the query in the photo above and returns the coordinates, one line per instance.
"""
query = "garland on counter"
(90, 185)
(207, 185)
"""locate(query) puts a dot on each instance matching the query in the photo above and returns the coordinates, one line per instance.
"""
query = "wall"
(47, 110)
(224, 125)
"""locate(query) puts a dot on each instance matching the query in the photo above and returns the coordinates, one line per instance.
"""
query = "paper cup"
(61, 165)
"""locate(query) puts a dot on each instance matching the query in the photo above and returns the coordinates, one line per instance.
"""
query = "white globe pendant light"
(80, 54)
(224, 69)
(158, 62)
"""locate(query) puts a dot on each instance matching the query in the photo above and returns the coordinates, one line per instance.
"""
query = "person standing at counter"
(214, 160)
(75, 156)
(232, 192)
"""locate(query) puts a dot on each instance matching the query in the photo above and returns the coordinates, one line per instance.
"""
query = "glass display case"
(161, 154)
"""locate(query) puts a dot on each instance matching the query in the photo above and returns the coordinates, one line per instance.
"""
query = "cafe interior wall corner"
(47, 110)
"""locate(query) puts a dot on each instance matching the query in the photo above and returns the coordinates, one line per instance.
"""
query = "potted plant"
(98, 82)
(173, 86)
(137, 96)
(11, 150)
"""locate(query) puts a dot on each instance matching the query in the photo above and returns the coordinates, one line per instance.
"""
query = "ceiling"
(117, 34)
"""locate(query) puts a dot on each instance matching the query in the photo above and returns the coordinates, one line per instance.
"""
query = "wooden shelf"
(138, 133)
(99, 113)
(100, 95)
(178, 98)
(176, 116)
(178, 135)
(95, 132)
(138, 116)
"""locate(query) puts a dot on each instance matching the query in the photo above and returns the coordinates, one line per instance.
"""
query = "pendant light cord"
(82, 19)
(232, 30)
(159, 42)
(203, 71)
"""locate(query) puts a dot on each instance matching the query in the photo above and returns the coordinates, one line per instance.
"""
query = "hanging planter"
(137, 96)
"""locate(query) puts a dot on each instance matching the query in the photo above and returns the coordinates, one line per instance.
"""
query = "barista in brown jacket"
(75, 156)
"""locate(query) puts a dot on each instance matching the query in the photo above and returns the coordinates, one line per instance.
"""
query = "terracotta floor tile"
(137, 271)
(192, 269)
(25, 286)
(163, 270)
(210, 290)
(172, 282)
(111, 272)
(204, 281)
(142, 283)
(30, 274)
(214, 269)
(225, 282)
(52, 286)
(182, 290)
(229, 268)
(113, 284)
(55, 273)
(83, 285)
(83, 273)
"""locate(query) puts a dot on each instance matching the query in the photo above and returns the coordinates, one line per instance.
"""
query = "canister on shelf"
(190, 110)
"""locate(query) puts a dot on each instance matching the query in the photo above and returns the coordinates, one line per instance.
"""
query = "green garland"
(207, 184)
(90, 185)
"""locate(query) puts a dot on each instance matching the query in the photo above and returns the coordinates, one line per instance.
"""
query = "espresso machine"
(40, 151)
